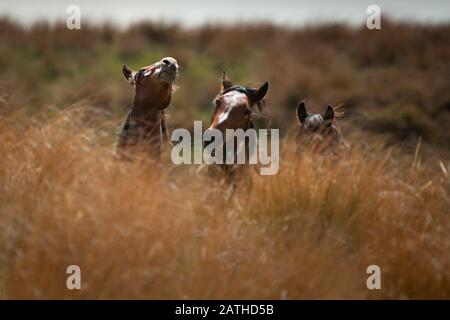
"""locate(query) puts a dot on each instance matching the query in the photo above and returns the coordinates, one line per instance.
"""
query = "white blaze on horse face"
(223, 116)
(232, 99)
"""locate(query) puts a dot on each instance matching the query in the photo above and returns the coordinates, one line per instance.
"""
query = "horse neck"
(144, 112)
(148, 109)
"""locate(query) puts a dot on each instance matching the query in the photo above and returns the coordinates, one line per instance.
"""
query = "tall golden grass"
(168, 232)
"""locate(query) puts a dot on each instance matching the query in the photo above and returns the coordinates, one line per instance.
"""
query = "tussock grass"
(162, 232)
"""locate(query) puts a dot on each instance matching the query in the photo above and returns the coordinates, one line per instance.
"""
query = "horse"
(318, 131)
(145, 125)
(233, 108)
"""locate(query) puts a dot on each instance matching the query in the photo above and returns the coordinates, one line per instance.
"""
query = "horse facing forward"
(233, 108)
(145, 124)
(318, 131)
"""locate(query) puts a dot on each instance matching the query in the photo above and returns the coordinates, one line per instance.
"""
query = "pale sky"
(195, 12)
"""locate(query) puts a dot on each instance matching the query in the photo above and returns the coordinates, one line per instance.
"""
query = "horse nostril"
(165, 61)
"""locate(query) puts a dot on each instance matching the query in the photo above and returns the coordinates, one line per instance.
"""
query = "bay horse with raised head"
(145, 125)
(318, 131)
(233, 108)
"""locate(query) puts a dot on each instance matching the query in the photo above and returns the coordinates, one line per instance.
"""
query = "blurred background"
(392, 82)
(197, 12)
(308, 232)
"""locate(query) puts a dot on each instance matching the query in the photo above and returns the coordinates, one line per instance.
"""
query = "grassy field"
(308, 232)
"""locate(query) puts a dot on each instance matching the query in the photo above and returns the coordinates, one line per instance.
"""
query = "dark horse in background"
(233, 108)
(145, 125)
(318, 131)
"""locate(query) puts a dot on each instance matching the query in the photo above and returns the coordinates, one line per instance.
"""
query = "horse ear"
(328, 115)
(259, 94)
(301, 112)
(225, 82)
(127, 72)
